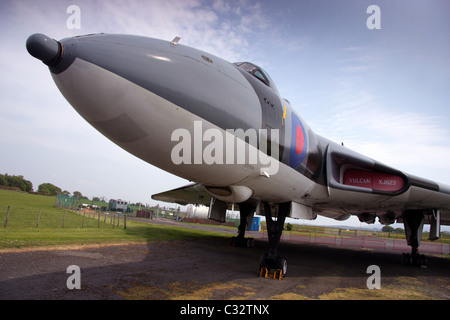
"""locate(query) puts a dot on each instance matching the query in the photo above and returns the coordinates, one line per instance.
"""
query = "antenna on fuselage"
(175, 40)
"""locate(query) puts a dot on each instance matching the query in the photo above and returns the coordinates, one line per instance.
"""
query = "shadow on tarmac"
(208, 268)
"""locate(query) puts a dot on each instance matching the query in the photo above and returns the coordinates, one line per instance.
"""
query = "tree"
(49, 188)
(78, 194)
(28, 185)
(387, 229)
(3, 181)
(16, 182)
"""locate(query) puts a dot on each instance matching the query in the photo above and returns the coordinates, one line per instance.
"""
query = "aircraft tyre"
(277, 263)
(242, 242)
(282, 265)
(417, 260)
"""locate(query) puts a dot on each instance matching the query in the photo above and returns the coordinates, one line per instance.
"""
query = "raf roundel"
(299, 143)
(299, 140)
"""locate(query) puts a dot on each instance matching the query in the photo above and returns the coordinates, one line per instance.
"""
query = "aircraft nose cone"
(44, 48)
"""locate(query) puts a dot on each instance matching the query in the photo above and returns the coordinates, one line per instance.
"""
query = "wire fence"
(389, 244)
(22, 217)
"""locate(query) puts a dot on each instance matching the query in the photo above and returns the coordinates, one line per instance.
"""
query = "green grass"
(21, 230)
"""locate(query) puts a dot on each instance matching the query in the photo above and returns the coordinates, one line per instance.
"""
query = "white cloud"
(415, 142)
(199, 25)
(42, 121)
(48, 140)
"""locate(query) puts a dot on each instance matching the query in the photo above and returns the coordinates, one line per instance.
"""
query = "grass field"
(26, 209)
(22, 231)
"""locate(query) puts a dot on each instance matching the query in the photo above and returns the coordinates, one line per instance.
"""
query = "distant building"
(118, 205)
(146, 213)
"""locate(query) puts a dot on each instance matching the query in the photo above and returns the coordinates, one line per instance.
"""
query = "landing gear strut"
(271, 259)
(413, 221)
(246, 212)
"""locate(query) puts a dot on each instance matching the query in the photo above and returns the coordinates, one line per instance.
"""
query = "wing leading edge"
(193, 193)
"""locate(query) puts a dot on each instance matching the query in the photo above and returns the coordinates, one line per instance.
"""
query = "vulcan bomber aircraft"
(224, 127)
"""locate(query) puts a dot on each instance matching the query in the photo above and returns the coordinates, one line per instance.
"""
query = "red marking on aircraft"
(373, 180)
(299, 140)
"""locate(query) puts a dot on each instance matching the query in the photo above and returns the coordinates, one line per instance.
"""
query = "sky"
(383, 92)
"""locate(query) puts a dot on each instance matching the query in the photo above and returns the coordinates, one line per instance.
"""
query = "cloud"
(357, 68)
(405, 140)
(36, 117)
(217, 27)
(357, 59)
(45, 139)
(220, 27)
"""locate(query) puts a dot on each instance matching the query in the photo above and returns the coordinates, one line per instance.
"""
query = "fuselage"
(137, 91)
(184, 110)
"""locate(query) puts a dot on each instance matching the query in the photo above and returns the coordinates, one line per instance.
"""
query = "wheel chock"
(278, 274)
(263, 272)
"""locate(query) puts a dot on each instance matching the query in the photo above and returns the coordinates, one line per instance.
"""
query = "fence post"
(98, 224)
(125, 221)
(84, 216)
(39, 218)
(7, 217)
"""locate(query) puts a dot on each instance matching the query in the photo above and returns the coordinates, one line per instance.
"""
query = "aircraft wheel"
(282, 265)
(242, 242)
(279, 264)
(414, 260)
(249, 243)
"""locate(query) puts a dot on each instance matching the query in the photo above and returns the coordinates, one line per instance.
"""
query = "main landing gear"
(271, 260)
(246, 212)
(413, 221)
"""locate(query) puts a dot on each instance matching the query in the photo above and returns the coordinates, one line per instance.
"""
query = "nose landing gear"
(271, 264)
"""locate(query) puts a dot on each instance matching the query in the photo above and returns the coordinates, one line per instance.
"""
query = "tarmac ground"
(210, 269)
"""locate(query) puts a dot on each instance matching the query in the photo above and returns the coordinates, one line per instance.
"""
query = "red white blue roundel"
(299, 142)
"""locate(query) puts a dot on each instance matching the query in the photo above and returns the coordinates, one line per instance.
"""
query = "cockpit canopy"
(258, 73)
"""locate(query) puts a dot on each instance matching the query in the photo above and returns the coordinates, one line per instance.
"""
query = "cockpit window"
(260, 76)
(257, 72)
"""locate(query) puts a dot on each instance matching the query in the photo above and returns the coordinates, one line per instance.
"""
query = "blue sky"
(384, 93)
